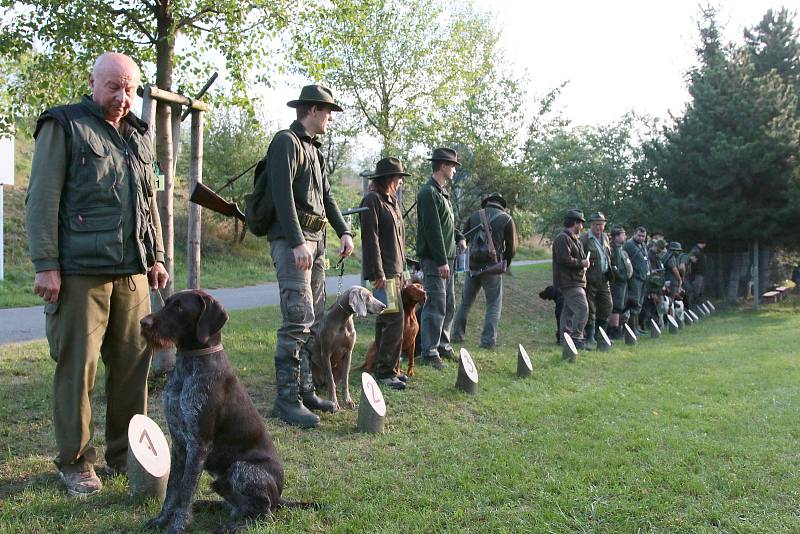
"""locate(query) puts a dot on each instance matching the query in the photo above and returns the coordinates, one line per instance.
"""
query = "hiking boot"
(448, 356)
(487, 345)
(402, 377)
(583, 345)
(294, 413)
(81, 484)
(434, 361)
(393, 382)
(312, 402)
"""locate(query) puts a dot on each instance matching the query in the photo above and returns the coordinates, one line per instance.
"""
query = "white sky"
(618, 55)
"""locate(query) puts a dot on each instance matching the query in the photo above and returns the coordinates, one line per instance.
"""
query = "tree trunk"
(764, 268)
(195, 215)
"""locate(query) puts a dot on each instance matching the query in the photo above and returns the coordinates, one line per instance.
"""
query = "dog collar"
(201, 352)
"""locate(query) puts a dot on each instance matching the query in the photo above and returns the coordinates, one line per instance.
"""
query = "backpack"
(481, 249)
(259, 210)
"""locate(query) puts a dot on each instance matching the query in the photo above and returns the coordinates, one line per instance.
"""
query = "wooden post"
(165, 200)
(195, 215)
(569, 352)
(148, 459)
(372, 407)
(673, 324)
(524, 365)
(467, 380)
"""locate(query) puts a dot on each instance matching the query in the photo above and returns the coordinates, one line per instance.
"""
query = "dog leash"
(340, 265)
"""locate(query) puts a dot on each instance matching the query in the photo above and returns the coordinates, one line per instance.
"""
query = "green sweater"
(436, 232)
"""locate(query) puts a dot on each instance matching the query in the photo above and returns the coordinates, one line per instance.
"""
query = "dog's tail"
(285, 503)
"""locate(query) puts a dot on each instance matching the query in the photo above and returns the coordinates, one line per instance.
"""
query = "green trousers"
(97, 317)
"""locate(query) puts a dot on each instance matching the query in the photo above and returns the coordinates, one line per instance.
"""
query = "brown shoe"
(81, 484)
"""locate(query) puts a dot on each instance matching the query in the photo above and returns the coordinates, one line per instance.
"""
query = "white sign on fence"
(6, 177)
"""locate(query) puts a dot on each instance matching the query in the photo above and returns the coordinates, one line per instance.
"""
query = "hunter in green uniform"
(598, 292)
(95, 241)
(383, 241)
(437, 239)
(637, 252)
(622, 270)
(303, 203)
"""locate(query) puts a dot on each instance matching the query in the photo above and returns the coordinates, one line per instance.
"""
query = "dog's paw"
(349, 404)
(410, 371)
(158, 522)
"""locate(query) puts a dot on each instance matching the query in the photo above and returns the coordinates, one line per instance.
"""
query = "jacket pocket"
(97, 167)
(94, 238)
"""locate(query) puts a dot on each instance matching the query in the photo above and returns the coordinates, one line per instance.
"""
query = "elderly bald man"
(94, 237)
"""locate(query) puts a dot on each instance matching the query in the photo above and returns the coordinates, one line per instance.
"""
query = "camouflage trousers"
(302, 306)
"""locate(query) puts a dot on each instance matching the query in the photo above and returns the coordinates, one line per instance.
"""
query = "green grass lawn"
(695, 432)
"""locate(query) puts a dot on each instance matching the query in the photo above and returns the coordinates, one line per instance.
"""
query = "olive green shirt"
(297, 183)
(436, 232)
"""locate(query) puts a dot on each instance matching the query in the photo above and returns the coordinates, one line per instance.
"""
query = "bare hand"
(585, 264)
(47, 285)
(444, 270)
(380, 283)
(462, 245)
(347, 246)
(158, 276)
(302, 257)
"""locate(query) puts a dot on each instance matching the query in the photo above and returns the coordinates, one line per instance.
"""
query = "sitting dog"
(554, 294)
(333, 350)
(412, 294)
(212, 420)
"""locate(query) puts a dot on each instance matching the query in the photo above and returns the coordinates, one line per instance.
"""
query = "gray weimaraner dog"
(212, 420)
(333, 350)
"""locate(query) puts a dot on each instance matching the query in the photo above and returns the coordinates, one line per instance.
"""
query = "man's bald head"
(113, 81)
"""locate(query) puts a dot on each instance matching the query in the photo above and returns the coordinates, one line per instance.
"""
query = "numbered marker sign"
(604, 336)
(672, 321)
(654, 325)
(373, 394)
(711, 306)
(469, 365)
(570, 343)
(148, 445)
(525, 358)
(629, 331)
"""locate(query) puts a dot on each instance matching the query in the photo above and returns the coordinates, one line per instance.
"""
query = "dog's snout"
(147, 321)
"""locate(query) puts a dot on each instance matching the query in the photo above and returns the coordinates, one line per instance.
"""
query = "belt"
(311, 222)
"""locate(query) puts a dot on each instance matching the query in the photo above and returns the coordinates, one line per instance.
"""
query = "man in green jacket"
(598, 292)
(504, 239)
(437, 239)
(303, 203)
(569, 275)
(622, 268)
(94, 237)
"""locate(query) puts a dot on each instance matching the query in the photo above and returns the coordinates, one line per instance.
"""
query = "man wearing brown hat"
(504, 242)
(383, 243)
(569, 275)
(622, 268)
(302, 204)
(437, 240)
(598, 292)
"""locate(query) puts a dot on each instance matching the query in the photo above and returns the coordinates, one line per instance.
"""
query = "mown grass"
(689, 433)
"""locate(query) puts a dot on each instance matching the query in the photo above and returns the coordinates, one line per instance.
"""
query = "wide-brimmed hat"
(494, 196)
(616, 230)
(445, 154)
(660, 244)
(597, 217)
(388, 167)
(315, 94)
(575, 214)
(675, 246)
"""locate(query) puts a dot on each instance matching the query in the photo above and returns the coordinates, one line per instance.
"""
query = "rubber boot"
(307, 392)
(288, 406)
(614, 333)
(589, 331)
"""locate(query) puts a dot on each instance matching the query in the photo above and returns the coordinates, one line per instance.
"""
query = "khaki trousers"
(97, 317)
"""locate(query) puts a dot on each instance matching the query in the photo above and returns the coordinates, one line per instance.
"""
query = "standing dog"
(212, 420)
(333, 350)
(412, 294)
(554, 294)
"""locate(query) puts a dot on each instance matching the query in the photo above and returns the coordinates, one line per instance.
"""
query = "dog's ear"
(358, 301)
(211, 319)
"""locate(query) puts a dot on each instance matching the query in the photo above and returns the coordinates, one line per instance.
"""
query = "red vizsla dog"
(412, 294)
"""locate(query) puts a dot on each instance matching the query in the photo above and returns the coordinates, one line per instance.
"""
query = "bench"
(783, 290)
(771, 296)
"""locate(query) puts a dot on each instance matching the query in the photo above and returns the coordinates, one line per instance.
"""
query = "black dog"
(553, 293)
(212, 420)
